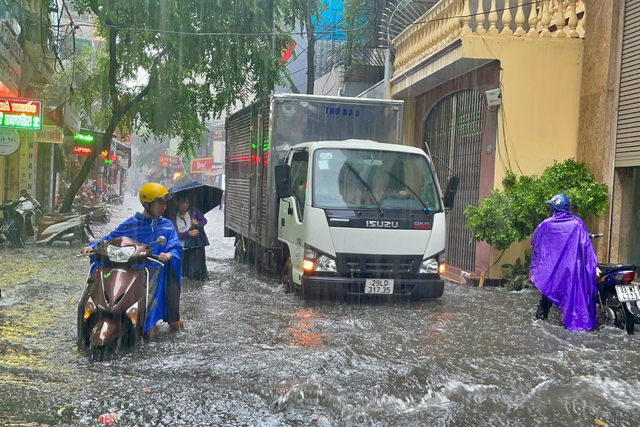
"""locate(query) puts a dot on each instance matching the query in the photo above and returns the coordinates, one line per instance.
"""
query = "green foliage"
(518, 276)
(146, 151)
(491, 222)
(513, 214)
(170, 65)
(199, 58)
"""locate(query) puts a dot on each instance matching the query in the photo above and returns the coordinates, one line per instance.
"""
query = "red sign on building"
(82, 150)
(202, 165)
(163, 161)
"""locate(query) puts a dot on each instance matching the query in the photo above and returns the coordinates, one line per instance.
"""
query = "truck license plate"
(628, 293)
(378, 286)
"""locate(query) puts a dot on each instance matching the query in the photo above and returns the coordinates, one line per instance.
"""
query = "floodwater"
(252, 355)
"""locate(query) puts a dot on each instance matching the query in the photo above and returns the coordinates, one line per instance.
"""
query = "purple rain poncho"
(563, 268)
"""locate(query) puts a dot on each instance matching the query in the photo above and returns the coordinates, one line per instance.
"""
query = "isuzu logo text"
(382, 224)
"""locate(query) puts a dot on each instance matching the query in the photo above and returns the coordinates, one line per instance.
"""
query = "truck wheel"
(287, 277)
(240, 255)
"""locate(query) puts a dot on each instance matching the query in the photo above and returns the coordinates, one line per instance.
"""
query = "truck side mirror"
(283, 181)
(450, 192)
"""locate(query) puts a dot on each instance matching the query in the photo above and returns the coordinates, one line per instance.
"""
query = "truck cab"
(358, 218)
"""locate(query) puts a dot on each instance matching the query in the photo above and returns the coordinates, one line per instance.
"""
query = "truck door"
(292, 210)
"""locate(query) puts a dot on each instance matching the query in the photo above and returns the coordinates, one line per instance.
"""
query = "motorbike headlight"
(429, 266)
(120, 254)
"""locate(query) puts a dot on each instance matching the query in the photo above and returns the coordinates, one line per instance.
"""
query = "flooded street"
(252, 355)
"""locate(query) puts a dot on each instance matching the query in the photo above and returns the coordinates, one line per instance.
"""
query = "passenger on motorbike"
(145, 228)
(563, 267)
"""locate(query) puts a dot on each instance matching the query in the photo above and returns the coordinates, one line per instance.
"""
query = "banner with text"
(202, 165)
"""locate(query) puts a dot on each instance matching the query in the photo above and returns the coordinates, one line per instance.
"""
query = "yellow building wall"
(538, 119)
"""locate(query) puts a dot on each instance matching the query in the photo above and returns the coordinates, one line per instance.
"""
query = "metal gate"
(453, 135)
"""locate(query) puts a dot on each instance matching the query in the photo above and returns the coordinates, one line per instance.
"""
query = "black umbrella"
(205, 197)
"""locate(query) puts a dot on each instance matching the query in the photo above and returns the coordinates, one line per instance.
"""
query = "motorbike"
(119, 292)
(11, 226)
(114, 199)
(618, 299)
(29, 208)
(70, 227)
(99, 212)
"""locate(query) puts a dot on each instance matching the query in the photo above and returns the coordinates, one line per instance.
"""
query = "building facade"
(450, 61)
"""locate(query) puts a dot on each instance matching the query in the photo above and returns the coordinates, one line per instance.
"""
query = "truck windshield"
(373, 179)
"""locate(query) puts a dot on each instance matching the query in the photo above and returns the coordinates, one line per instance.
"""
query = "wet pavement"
(252, 355)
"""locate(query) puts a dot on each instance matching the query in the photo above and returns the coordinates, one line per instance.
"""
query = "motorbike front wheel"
(98, 353)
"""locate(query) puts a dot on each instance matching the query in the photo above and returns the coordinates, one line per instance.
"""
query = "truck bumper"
(341, 287)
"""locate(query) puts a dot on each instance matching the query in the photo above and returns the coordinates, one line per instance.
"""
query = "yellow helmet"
(153, 191)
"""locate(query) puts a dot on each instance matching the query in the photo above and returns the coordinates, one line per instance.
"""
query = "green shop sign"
(24, 114)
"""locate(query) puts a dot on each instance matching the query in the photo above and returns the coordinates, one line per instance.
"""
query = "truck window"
(299, 172)
(362, 179)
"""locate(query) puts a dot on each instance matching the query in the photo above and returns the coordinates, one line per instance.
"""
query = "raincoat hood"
(563, 266)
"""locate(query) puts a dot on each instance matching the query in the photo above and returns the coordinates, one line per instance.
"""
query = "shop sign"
(163, 161)
(175, 162)
(201, 165)
(86, 138)
(9, 142)
(82, 150)
(123, 161)
(25, 114)
(50, 134)
(28, 156)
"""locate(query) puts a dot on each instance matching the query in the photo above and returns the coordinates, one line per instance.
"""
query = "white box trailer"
(309, 183)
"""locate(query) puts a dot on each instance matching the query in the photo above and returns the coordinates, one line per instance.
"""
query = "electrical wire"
(263, 34)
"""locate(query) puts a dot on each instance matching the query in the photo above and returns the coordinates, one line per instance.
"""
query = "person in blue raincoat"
(563, 267)
(145, 228)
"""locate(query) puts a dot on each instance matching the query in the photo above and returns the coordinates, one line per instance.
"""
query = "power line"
(264, 34)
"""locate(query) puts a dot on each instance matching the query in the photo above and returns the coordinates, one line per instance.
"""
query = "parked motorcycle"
(29, 208)
(11, 226)
(71, 227)
(117, 296)
(114, 199)
(618, 299)
(100, 213)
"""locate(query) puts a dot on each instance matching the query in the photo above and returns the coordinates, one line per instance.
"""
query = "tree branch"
(148, 87)
(113, 70)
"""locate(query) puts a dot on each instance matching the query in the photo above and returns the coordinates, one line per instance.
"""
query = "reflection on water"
(301, 329)
(252, 355)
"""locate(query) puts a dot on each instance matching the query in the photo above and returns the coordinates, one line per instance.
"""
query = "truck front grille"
(378, 265)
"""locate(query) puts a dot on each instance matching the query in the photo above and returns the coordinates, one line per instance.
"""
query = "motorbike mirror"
(161, 241)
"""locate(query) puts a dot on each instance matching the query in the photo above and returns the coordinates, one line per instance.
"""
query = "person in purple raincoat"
(563, 267)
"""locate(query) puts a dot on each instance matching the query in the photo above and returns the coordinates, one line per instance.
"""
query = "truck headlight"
(429, 266)
(317, 261)
(326, 264)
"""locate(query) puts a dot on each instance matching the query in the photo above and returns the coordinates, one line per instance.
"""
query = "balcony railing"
(452, 19)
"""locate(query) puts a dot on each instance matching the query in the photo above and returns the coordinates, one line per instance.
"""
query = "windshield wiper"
(355, 172)
(422, 202)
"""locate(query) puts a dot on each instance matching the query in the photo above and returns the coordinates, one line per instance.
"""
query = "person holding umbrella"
(189, 223)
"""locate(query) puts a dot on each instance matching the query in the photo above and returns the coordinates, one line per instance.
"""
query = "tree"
(169, 65)
(513, 214)
(147, 150)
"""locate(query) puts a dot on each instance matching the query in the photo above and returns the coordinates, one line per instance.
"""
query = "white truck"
(321, 192)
